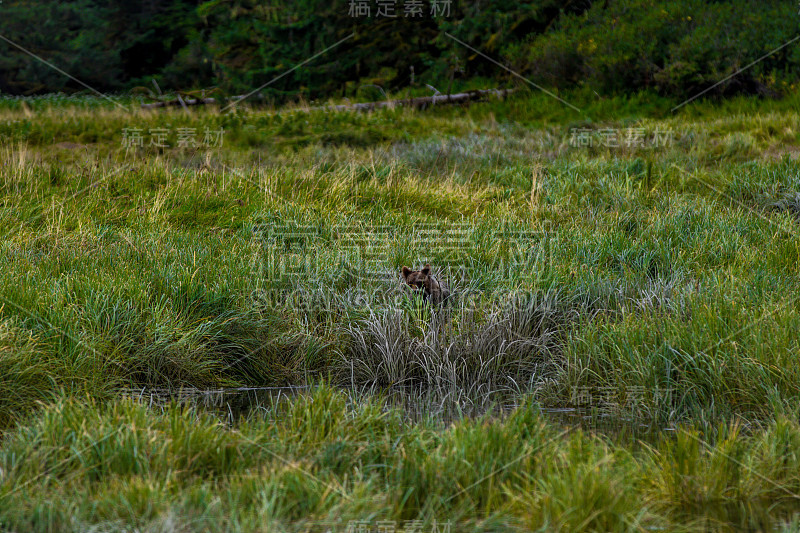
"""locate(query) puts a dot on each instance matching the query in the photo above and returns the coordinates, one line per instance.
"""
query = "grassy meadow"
(620, 352)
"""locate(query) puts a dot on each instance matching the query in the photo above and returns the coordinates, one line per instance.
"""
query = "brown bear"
(433, 290)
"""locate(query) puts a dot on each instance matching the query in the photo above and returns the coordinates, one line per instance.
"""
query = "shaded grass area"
(318, 463)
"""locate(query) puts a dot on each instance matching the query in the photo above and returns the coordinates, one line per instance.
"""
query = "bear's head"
(418, 279)
(421, 281)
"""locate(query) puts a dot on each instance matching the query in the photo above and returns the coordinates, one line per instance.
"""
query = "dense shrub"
(313, 49)
(107, 45)
(679, 47)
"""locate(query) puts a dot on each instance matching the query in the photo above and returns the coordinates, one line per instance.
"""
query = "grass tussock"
(453, 354)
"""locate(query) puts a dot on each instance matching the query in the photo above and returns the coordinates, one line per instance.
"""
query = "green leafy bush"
(679, 48)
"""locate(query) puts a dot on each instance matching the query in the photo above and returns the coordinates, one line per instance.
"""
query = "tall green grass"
(317, 463)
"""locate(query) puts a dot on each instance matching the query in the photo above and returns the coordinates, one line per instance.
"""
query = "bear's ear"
(406, 271)
(426, 270)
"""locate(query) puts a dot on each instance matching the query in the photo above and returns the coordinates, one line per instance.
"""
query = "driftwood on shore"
(420, 102)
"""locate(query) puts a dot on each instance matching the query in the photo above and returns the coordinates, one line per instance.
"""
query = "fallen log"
(191, 101)
(423, 101)
(419, 102)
